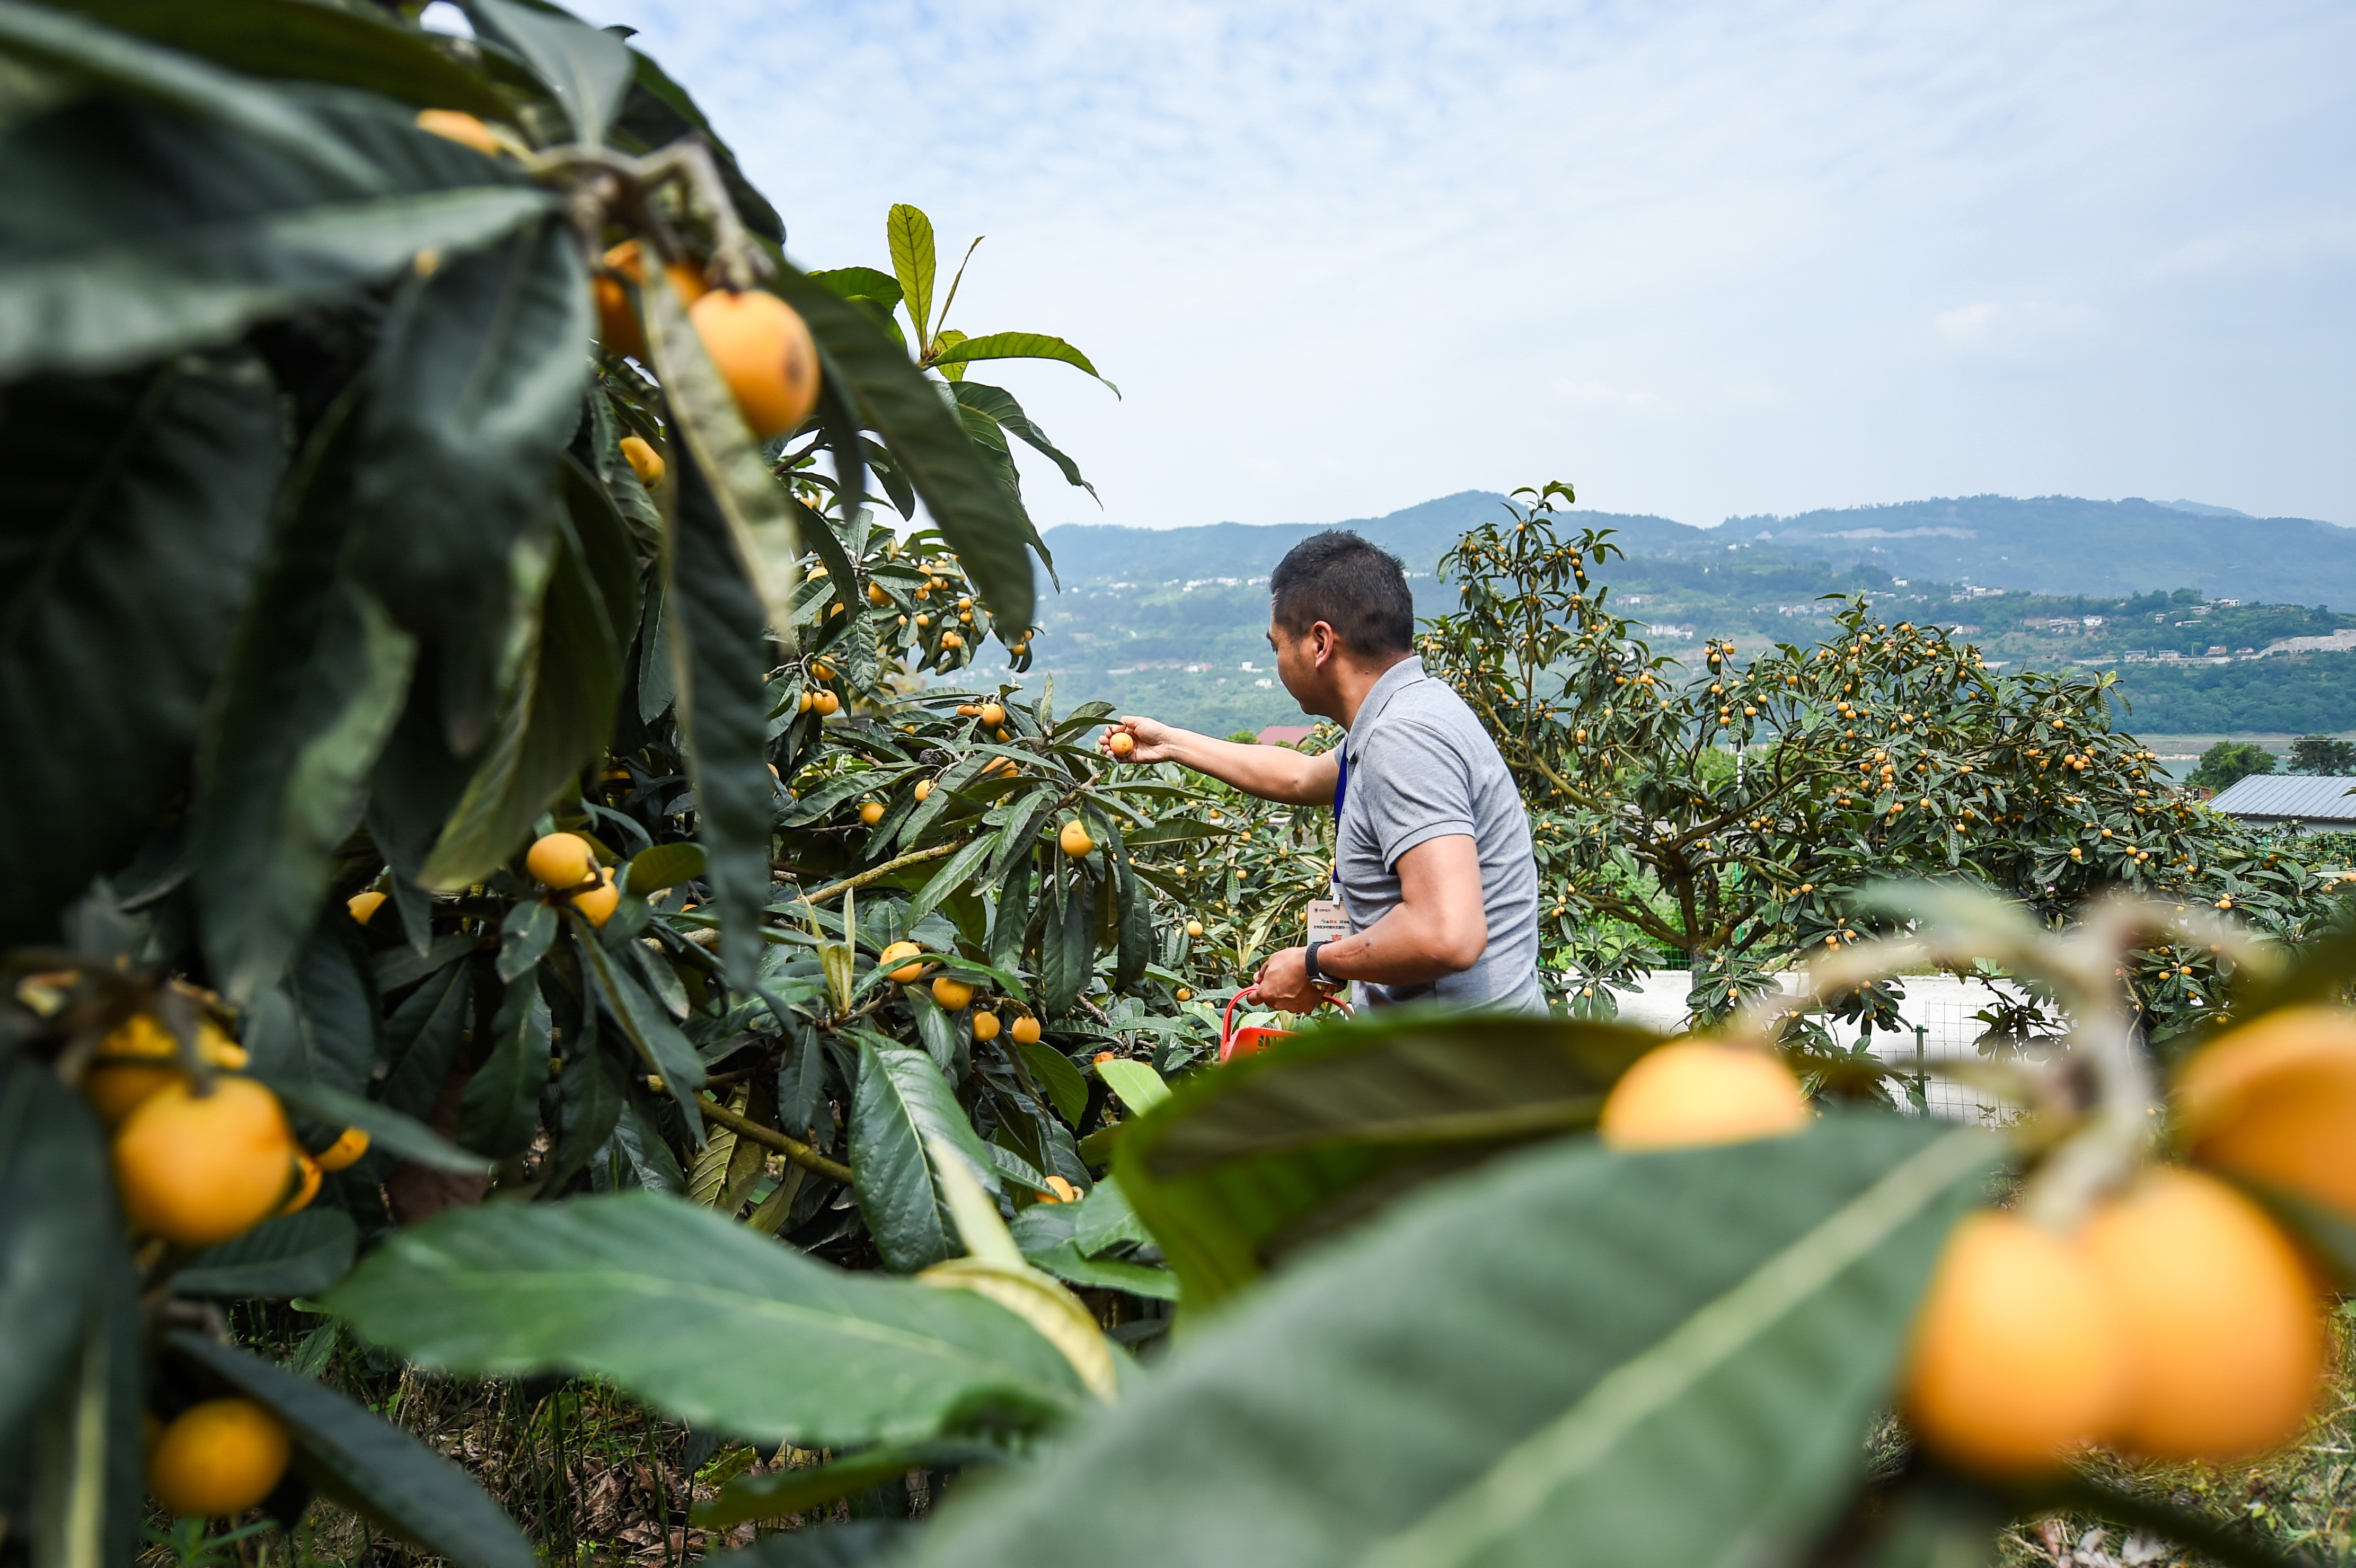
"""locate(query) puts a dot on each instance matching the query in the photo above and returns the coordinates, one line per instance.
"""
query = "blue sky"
(1700, 260)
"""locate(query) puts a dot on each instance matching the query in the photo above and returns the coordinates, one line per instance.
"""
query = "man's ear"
(1325, 644)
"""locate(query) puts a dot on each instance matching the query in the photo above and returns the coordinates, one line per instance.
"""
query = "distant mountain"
(2051, 544)
(2059, 544)
(1419, 536)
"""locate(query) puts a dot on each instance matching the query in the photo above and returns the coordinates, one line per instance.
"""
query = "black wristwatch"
(1309, 958)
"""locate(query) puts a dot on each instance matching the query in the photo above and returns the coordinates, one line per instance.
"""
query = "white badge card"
(1328, 921)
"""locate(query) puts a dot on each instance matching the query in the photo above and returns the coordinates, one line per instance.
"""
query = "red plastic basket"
(1235, 1042)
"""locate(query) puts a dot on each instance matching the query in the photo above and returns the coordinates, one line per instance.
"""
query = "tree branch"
(800, 1153)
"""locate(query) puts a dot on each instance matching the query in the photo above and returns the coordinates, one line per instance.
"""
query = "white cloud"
(1992, 327)
(1341, 257)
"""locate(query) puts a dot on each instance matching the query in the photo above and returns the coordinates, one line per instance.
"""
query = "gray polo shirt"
(1420, 767)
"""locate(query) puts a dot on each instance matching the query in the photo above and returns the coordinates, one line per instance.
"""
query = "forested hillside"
(2050, 544)
(1173, 622)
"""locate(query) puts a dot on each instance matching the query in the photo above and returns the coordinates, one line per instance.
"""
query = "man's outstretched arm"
(1439, 926)
(1271, 773)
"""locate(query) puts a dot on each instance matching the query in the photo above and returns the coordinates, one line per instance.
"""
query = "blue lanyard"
(1341, 778)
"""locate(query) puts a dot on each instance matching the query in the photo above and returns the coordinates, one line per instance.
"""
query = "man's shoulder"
(1427, 715)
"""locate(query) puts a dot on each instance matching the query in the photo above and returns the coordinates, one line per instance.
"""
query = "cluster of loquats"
(757, 342)
(202, 1155)
(903, 963)
(566, 865)
(2175, 1320)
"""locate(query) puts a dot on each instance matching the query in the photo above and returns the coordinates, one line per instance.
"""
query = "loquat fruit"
(458, 125)
(1075, 840)
(923, 790)
(364, 905)
(952, 995)
(1692, 1092)
(1122, 743)
(985, 1025)
(561, 860)
(644, 460)
(600, 901)
(1025, 1029)
(907, 974)
(1194, 928)
(218, 1457)
(765, 353)
(196, 1168)
(346, 1150)
(2220, 1321)
(140, 1058)
(992, 715)
(872, 813)
(2274, 1100)
(2014, 1360)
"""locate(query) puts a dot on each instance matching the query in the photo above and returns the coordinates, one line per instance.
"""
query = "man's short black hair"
(1356, 588)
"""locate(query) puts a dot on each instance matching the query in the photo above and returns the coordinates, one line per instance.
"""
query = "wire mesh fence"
(1941, 1032)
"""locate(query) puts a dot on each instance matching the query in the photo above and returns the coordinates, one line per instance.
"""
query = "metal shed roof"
(2310, 799)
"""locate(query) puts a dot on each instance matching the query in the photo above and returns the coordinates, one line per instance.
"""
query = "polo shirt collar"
(1392, 681)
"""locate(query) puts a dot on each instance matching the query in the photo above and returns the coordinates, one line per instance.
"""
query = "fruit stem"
(738, 258)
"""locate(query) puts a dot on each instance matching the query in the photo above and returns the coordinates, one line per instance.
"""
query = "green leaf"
(301, 1254)
(819, 534)
(56, 1193)
(861, 282)
(1138, 1086)
(136, 507)
(405, 966)
(647, 1027)
(1019, 346)
(500, 1110)
(903, 1114)
(1678, 1375)
(363, 1460)
(1067, 949)
(300, 41)
(985, 526)
(1067, 1262)
(755, 1339)
(1274, 1149)
(910, 235)
(641, 1141)
(525, 936)
(782, 1492)
(321, 1023)
(1057, 1077)
(586, 69)
(422, 1040)
(556, 723)
(316, 681)
(976, 400)
(952, 878)
(131, 231)
(402, 1136)
(720, 654)
(665, 865)
(477, 388)
(589, 1100)
(166, 77)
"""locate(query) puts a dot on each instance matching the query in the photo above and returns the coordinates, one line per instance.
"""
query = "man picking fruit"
(1432, 860)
